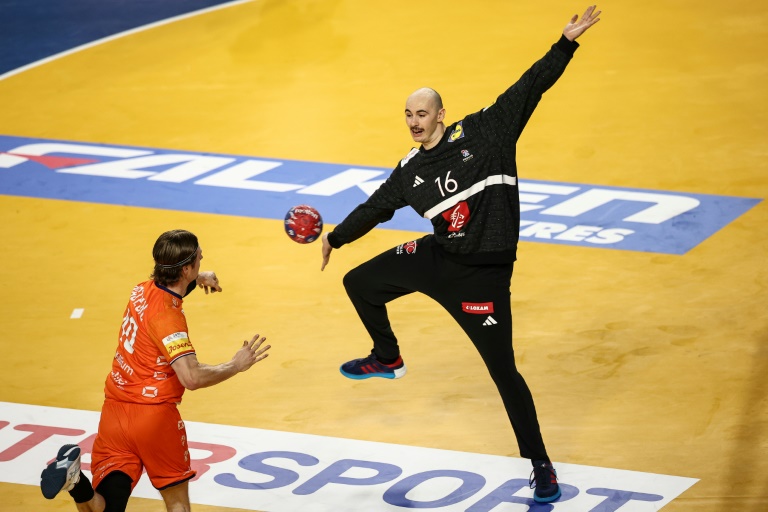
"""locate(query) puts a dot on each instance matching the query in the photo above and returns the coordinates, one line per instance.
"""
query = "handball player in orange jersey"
(155, 362)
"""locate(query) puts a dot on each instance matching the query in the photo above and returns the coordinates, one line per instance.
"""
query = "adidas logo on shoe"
(490, 321)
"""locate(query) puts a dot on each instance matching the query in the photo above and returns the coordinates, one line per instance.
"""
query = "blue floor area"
(31, 30)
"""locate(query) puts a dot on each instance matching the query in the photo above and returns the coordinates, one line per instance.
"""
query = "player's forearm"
(206, 375)
(357, 224)
(522, 97)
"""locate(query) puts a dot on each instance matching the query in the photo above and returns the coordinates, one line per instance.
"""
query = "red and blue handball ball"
(303, 224)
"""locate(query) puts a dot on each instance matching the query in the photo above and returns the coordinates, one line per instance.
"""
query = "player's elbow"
(190, 381)
(189, 372)
(193, 386)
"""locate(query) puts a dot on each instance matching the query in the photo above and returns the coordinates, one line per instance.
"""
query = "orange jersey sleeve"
(153, 334)
(168, 331)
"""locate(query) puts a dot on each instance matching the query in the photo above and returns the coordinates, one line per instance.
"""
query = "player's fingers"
(255, 342)
(262, 352)
(259, 343)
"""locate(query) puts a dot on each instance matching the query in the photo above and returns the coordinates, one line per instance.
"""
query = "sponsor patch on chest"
(457, 216)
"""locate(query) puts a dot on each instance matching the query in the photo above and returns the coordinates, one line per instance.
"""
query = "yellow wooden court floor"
(637, 360)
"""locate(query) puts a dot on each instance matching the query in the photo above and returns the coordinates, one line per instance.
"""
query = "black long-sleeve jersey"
(466, 185)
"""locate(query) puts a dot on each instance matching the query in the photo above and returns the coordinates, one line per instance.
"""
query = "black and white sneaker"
(63, 473)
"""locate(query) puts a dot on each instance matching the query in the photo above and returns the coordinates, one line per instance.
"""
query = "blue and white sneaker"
(63, 473)
(368, 367)
(544, 482)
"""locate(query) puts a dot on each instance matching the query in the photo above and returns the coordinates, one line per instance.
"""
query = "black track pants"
(477, 297)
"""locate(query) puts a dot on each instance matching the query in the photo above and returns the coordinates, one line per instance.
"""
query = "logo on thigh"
(477, 308)
(407, 248)
(489, 321)
(480, 308)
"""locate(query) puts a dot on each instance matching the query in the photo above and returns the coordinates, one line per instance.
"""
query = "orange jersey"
(153, 335)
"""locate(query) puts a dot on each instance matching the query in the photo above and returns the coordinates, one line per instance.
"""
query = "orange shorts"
(136, 436)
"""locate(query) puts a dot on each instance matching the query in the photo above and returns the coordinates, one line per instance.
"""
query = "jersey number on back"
(128, 332)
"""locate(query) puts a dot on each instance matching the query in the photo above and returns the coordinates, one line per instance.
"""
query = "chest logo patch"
(457, 216)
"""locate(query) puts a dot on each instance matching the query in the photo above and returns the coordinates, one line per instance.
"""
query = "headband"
(182, 262)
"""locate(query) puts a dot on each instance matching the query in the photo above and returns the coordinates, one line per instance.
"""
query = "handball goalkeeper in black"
(463, 178)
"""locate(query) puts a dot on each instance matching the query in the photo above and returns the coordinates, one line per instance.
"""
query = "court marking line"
(124, 33)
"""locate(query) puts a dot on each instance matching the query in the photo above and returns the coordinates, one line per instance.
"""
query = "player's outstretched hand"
(577, 26)
(208, 280)
(326, 252)
(250, 353)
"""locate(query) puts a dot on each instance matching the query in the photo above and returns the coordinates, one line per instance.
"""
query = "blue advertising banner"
(561, 213)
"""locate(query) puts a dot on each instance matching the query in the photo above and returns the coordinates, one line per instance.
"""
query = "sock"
(83, 491)
(386, 361)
